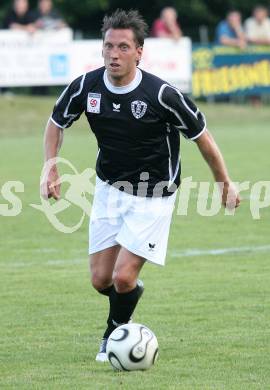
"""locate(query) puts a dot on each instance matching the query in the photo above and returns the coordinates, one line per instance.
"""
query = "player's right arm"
(53, 138)
(68, 109)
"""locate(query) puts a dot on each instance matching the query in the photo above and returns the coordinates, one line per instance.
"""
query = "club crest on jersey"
(138, 108)
(93, 102)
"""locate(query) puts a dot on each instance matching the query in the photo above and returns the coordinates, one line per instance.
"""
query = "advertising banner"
(225, 71)
(29, 61)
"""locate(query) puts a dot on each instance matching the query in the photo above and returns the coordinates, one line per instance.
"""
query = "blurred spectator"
(20, 18)
(48, 18)
(257, 28)
(230, 32)
(167, 26)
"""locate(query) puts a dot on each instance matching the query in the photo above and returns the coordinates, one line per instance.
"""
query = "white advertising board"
(28, 60)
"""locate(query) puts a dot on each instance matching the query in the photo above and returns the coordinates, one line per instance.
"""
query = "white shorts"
(139, 224)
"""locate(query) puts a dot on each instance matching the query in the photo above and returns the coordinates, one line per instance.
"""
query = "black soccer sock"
(122, 305)
(106, 291)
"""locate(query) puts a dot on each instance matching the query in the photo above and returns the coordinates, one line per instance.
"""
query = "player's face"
(121, 55)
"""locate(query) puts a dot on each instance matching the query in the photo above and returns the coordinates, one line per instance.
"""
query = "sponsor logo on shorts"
(138, 108)
(93, 102)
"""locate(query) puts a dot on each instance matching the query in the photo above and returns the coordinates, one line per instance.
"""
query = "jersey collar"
(126, 88)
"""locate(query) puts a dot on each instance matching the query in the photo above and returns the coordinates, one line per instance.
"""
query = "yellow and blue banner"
(225, 71)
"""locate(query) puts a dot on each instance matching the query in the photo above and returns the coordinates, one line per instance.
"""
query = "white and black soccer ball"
(132, 347)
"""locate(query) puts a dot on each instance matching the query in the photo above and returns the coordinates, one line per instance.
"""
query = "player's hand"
(230, 196)
(50, 183)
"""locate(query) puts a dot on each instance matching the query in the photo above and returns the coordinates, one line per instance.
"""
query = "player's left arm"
(186, 116)
(211, 153)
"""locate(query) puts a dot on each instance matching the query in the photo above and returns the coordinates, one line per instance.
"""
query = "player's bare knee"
(122, 281)
(100, 282)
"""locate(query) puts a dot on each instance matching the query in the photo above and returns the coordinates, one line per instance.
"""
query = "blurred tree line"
(86, 15)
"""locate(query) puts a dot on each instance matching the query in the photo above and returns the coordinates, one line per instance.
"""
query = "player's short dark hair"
(131, 19)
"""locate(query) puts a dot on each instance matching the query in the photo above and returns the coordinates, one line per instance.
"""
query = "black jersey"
(136, 127)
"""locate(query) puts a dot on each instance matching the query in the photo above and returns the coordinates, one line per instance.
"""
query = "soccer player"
(136, 118)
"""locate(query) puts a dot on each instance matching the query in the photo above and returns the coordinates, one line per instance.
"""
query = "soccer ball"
(132, 347)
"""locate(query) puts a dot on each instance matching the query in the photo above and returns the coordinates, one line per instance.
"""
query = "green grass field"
(210, 312)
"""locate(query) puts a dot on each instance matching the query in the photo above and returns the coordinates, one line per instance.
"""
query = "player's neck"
(123, 88)
(122, 81)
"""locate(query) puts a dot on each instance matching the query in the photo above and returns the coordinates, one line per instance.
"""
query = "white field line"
(219, 251)
(242, 196)
(57, 262)
(49, 250)
(172, 253)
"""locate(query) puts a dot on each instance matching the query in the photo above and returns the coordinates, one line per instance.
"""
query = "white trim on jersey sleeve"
(56, 124)
(73, 116)
(182, 123)
(70, 117)
(170, 159)
(198, 135)
(171, 175)
(195, 114)
(61, 96)
(126, 88)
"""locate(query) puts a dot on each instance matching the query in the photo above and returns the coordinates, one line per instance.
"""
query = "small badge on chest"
(93, 102)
